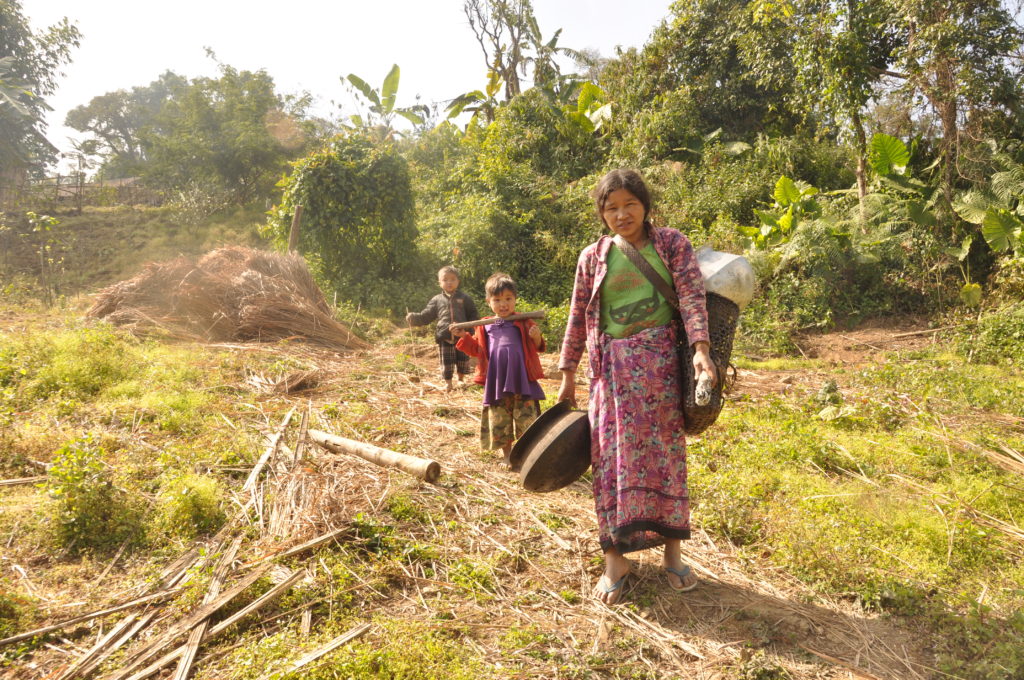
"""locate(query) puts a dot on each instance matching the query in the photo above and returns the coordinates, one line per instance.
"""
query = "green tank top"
(629, 302)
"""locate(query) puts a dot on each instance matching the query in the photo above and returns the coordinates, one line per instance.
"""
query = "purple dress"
(506, 365)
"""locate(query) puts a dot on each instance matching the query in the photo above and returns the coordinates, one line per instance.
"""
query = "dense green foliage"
(905, 132)
(29, 66)
(357, 220)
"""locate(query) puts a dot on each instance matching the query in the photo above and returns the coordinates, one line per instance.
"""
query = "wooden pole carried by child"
(539, 314)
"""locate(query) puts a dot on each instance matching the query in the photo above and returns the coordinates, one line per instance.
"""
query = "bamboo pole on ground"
(427, 470)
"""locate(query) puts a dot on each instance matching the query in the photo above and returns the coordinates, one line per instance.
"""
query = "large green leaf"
(971, 294)
(889, 156)
(463, 100)
(580, 120)
(600, 116)
(920, 214)
(493, 83)
(364, 87)
(390, 89)
(963, 251)
(1009, 184)
(589, 94)
(411, 116)
(786, 191)
(1001, 229)
(767, 218)
(736, 148)
(972, 206)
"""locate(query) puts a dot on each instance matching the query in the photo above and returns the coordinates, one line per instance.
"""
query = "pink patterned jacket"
(583, 327)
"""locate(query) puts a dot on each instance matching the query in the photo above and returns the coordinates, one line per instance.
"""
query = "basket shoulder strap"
(660, 284)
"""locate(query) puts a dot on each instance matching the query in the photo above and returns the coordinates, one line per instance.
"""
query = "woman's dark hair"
(498, 283)
(631, 181)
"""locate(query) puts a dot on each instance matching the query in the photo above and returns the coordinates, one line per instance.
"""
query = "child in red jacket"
(508, 366)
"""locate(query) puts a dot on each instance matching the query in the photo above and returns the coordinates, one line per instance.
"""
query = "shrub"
(191, 505)
(997, 338)
(87, 509)
(357, 220)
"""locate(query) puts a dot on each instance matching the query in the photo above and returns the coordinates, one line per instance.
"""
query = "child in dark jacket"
(508, 366)
(450, 306)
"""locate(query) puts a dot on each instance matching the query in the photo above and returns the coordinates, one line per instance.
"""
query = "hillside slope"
(850, 542)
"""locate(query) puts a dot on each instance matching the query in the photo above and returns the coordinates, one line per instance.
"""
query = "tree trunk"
(862, 170)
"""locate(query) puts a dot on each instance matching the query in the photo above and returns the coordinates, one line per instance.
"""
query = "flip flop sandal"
(682, 574)
(608, 590)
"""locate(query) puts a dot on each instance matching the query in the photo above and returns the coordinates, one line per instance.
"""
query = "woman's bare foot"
(616, 568)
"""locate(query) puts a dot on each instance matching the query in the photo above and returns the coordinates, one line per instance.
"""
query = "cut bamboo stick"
(22, 480)
(428, 470)
(924, 332)
(179, 628)
(97, 649)
(302, 547)
(466, 325)
(271, 449)
(345, 638)
(116, 639)
(220, 574)
(87, 617)
(256, 604)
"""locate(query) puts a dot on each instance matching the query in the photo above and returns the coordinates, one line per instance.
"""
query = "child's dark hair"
(448, 269)
(631, 181)
(498, 283)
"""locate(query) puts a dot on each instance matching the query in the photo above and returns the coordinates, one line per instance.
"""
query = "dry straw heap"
(229, 294)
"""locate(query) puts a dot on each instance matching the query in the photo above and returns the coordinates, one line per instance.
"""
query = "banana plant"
(382, 108)
(478, 102)
(589, 111)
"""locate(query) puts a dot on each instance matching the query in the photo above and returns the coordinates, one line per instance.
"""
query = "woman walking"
(638, 448)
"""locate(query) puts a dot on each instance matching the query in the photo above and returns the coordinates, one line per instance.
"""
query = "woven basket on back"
(723, 315)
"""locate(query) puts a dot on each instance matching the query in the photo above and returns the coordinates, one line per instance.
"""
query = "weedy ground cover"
(877, 502)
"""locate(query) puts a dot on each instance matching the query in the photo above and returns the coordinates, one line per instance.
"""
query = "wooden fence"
(72, 192)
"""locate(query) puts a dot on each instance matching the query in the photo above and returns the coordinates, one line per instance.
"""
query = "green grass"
(878, 490)
(894, 501)
(392, 650)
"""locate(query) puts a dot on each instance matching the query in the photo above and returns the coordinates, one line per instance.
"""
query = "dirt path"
(740, 606)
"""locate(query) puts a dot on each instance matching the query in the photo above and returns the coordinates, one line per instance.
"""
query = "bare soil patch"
(868, 342)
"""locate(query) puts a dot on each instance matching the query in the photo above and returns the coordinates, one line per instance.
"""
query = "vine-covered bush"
(357, 221)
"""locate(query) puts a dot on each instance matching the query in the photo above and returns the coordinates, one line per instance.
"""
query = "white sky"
(308, 44)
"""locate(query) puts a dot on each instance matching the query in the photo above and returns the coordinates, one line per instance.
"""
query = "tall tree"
(502, 28)
(118, 121)
(30, 64)
(513, 46)
(232, 134)
(732, 72)
(842, 49)
(956, 54)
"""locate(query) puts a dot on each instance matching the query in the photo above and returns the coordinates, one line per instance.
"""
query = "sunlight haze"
(306, 45)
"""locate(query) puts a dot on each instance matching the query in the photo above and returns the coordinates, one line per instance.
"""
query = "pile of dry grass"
(229, 294)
